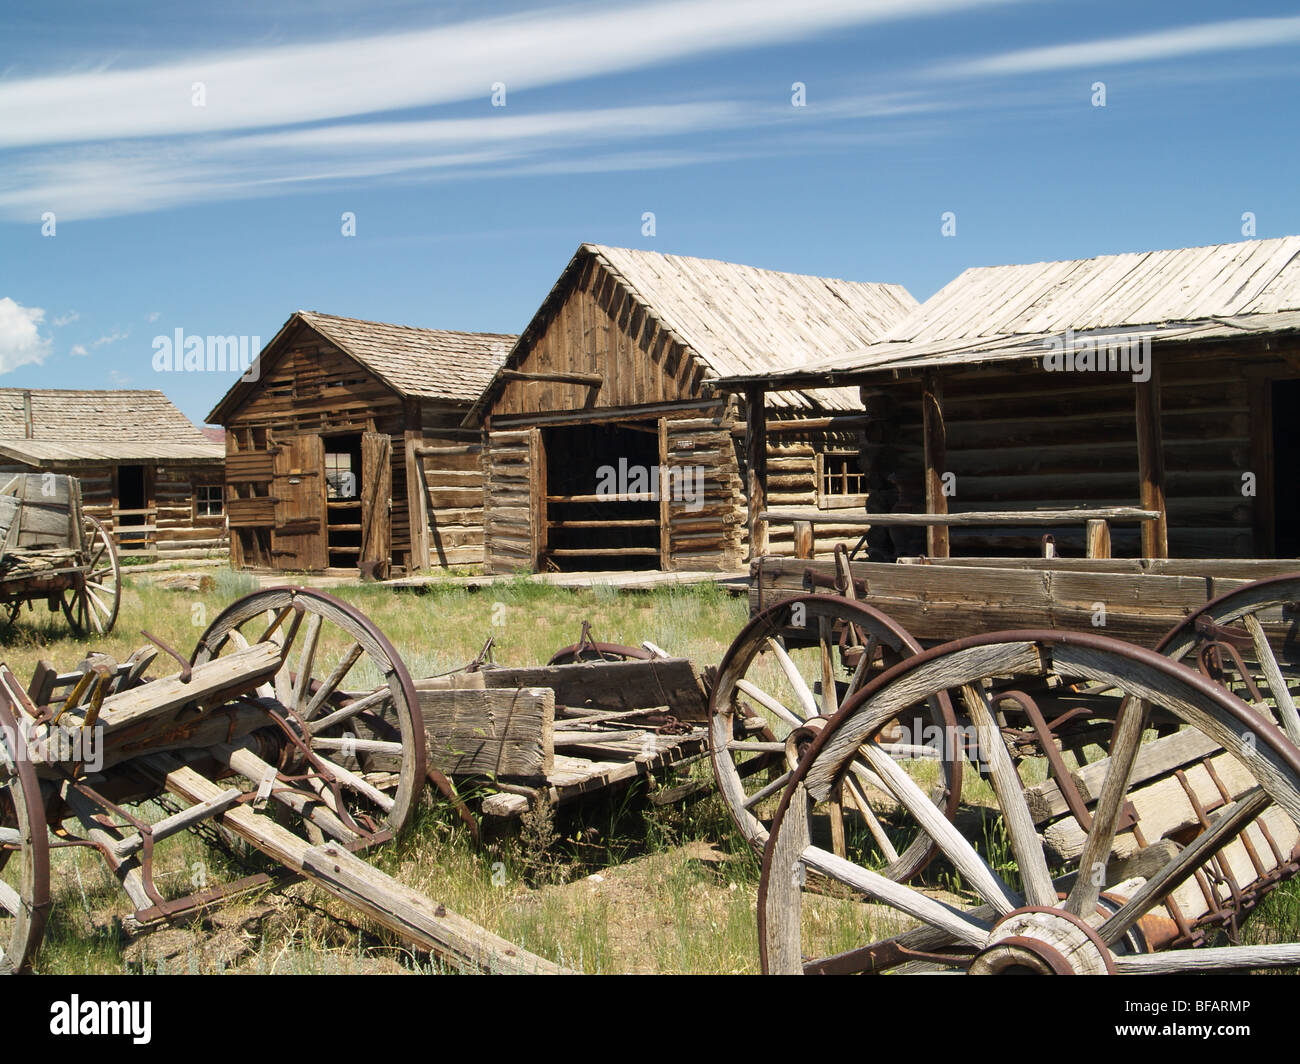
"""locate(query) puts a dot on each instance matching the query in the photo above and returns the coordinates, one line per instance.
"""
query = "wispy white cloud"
(61, 320)
(111, 337)
(78, 350)
(1232, 35)
(153, 315)
(275, 86)
(21, 342)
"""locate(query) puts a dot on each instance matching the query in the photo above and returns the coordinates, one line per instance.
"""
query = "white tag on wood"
(264, 788)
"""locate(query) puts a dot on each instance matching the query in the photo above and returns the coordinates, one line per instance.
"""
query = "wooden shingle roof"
(99, 426)
(419, 363)
(1001, 313)
(734, 318)
(415, 363)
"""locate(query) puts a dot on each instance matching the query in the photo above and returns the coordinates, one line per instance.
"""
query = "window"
(208, 500)
(340, 481)
(840, 480)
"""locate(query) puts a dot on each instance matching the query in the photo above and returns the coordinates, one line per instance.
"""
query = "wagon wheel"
(786, 673)
(91, 604)
(361, 748)
(587, 649)
(1248, 640)
(1039, 912)
(24, 849)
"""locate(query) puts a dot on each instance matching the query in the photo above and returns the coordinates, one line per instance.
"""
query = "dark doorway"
(343, 500)
(589, 521)
(1286, 454)
(131, 520)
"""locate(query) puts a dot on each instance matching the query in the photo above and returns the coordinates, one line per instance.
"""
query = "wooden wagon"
(1099, 802)
(53, 552)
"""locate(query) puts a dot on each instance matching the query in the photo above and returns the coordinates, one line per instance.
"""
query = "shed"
(606, 449)
(1162, 380)
(345, 447)
(146, 471)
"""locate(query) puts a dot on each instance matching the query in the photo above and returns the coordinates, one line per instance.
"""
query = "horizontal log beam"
(1121, 514)
(590, 380)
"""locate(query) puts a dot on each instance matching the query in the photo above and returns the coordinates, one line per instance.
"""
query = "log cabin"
(603, 447)
(1160, 389)
(345, 448)
(146, 471)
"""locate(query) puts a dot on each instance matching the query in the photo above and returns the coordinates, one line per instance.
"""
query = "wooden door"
(298, 487)
(376, 497)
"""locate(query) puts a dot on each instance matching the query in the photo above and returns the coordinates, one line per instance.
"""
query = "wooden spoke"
(10, 899)
(1277, 685)
(768, 790)
(360, 746)
(903, 898)
(755, 747)
(331, 684)
(1221, 958)
(361, 786)
(954, 845)
(306, 660)
(1025, 844)
(1227, 824)
(874, 826)
(1129, 726)
(829, 702)
(769, 703)
(801, 689)
(359, 705)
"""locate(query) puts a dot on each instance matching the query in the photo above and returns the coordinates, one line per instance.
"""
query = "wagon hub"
(1039, 941)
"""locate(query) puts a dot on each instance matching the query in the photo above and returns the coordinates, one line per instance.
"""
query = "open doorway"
(343, 500)
(1286, 454)
(601, 507)
(131, 520)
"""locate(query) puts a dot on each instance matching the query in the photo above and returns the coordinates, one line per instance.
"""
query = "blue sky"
(223, 219)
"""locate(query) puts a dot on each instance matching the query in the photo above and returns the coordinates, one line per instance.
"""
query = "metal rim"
(24, 909)
(1272, 761)
(729, 734)
(316, 711)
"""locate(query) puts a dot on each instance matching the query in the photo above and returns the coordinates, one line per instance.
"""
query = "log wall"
(170, 526)
(1029, 440)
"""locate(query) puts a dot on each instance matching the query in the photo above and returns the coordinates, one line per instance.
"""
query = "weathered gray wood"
(414, 917)
(615, 685)
(783, 910)
(965, 520)
(496, 732)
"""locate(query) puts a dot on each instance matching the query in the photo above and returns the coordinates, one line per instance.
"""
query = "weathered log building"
(605, 446)
(1165, 381)
(345, 447)
(146, 471)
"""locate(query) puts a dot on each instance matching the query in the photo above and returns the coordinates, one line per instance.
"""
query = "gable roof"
(1000, 313)
(102, 426)
(415, 363)
(733, 318)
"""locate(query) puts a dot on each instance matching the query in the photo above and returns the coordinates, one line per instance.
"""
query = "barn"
(146, 471)
(1166, 382)
(345, 448)
(605, 446)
